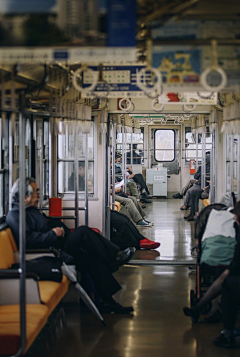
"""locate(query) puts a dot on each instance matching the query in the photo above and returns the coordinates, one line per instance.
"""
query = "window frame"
(174, 148)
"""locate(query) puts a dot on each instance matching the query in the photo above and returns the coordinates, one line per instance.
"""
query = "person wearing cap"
(228, 283)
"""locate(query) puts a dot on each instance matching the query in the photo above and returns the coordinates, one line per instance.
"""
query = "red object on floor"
(148, 244)
(55, 206)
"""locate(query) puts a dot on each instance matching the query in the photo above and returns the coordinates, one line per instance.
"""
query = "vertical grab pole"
(76, 179)
(212, 169)
(203, 171)
(224, 163)
(215, 160)
(238, 169)
(22, 219)
(124, 155)
(104, 184)
(86, 179)
(113, 161)
(231, 161)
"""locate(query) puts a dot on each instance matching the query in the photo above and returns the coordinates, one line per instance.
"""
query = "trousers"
(133, 207)
(123, 231)
(94, 254)
(230, 301)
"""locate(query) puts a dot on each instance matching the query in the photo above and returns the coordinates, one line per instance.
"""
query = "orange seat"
(51, 293)
(36, 318)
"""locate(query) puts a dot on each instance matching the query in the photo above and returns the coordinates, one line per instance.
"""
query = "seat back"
(6, 251)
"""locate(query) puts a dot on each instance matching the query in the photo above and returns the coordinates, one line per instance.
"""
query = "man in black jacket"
(92, 253)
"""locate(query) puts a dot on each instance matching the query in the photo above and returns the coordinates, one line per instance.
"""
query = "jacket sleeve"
(41, 240)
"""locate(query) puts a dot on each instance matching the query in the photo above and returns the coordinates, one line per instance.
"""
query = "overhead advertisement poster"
(61, 27)
(180, 66)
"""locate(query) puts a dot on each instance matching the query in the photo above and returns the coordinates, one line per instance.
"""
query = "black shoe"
(186, 217)
(145, 200)
(192, 313)
(145, 195)
(125, 255)
(177, 195)
(225, 342)
(114, 308)
(190, 218)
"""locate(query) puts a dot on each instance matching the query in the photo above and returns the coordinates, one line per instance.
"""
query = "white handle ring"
(186, 108)
(77, 73)
(208, 96)
(212, 88)
(128, 103)
(154, 102)
(155, 87)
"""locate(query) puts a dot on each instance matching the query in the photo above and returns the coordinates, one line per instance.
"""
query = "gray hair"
(28, 189)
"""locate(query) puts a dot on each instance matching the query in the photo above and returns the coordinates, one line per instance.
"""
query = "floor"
(157, 292)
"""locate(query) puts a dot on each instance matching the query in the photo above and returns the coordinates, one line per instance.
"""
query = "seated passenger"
(228, 284)
(183, 191)
(92, 253)
(132, 208)
(197, 185)
(144, 191)
(194, 199)
(125, 234)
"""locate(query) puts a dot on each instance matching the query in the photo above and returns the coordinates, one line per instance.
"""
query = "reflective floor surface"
(170, 229)
(157, 328)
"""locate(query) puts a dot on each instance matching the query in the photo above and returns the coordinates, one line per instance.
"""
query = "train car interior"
(125, 107)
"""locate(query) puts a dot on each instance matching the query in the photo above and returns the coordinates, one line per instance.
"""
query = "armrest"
(13, 274)
(10, 288)
(38, 251)
(33, 253)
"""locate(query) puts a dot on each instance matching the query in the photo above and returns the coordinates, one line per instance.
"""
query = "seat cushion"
(51, 293)
(37, 316)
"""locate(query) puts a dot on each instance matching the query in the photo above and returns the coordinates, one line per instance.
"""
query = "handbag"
(46, 268)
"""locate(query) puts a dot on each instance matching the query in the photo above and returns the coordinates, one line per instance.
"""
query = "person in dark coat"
(197, 184)
(228, 284)
(92, 253)
(124, 233)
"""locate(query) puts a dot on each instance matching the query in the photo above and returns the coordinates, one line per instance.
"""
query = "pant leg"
(93, 255)
(188, 194)
(123, 225)
(84, 240)
(189, 184)
(138, 207)
(194, 198)
(230, 301)
(138, 178)
(128, 203)
(132, 189)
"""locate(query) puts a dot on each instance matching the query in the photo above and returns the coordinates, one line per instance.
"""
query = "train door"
(164, 152)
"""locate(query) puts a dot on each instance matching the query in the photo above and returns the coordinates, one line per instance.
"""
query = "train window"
(134, 143)
(191, 144)
(66, 156)
(231, 163)
(164, 145)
